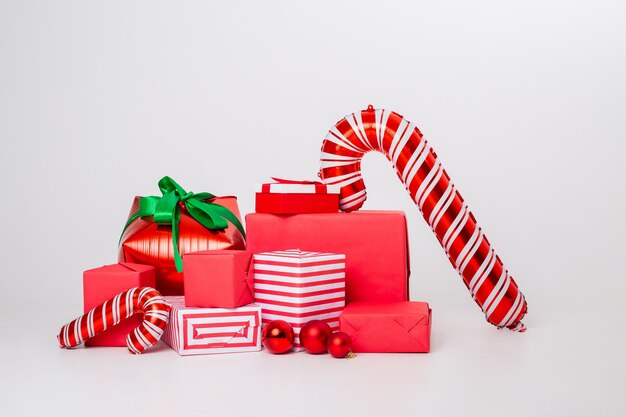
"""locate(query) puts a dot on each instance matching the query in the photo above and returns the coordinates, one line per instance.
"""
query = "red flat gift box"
(294, 198)
(104, 283)
(375, 244)
(202, 331)
(218, 278)
(387, 327)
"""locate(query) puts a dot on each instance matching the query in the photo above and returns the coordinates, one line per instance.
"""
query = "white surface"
(524, 102)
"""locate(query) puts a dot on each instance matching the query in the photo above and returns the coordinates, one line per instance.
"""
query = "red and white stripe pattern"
(431, 189)
(298, 287)
(145, 300)
(201, 331)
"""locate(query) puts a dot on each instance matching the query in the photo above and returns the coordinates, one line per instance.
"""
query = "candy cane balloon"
(430, 187)
(144, 300)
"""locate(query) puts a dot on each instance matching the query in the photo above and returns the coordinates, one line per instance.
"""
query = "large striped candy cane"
(144, 300)
(430, 187)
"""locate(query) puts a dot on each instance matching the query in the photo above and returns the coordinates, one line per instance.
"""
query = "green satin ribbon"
(166, 210)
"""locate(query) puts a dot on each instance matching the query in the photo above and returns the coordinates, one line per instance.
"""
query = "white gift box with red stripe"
(298, 287)
(201, 331)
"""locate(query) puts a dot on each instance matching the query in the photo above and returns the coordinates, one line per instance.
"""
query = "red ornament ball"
(314, 336)
(340, 345)
(278, 337)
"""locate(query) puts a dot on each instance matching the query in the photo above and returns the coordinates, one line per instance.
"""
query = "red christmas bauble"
(278, 337)
(314, 336)
(339, 345)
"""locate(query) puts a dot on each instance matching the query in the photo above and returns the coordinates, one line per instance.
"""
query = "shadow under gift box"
(102, 284)
(375, 244)
(145, 242)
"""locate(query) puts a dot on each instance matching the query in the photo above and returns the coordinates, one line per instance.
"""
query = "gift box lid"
(121, 268)
(296, 187)
(297, 256)
(241, 256)
(178, 302)
(407, 314)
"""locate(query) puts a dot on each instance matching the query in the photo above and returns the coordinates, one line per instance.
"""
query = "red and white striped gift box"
(201, 331)
(298, 287)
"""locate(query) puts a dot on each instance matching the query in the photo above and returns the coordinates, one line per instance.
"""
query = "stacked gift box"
(300, 269)
(298, 260)
(298, 287)
(377, 314)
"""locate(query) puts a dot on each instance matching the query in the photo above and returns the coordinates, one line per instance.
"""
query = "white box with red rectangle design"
(298, 287)
(200, 331)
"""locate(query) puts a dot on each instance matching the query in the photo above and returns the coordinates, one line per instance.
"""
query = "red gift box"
(146, 242)
(387, 327)
(298, 287)
(201, 331)
(375, 244)
(293, 197)
(218, 278)
(102, 284)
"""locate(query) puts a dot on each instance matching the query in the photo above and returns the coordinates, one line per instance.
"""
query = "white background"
(524, 102)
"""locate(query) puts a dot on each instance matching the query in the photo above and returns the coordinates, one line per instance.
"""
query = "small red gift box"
(298, 287)
(102, 284)
(294, 197)
(387, 327)
(218, 278)
(375, 244)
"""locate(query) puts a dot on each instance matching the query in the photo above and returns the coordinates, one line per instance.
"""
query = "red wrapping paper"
(103, 283)
(375, 244)
(218, 278)
(147, 243)
(295, 198)
(387, 327)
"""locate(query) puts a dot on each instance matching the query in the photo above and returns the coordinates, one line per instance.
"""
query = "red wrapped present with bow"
(296, 197)
(161, 229)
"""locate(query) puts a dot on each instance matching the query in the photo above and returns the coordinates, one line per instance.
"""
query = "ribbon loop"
(166, 210)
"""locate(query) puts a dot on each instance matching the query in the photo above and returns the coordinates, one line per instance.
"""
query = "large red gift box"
(375, 244)
(102, 284)
(201, 331)
(218, 278)
(298, 287)
(291, 197)
(148, 243)
(387, 327)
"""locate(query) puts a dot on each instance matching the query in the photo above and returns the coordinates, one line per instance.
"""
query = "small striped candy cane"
(144, 300)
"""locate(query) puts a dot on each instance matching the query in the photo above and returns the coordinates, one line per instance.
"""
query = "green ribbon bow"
(166, 210)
